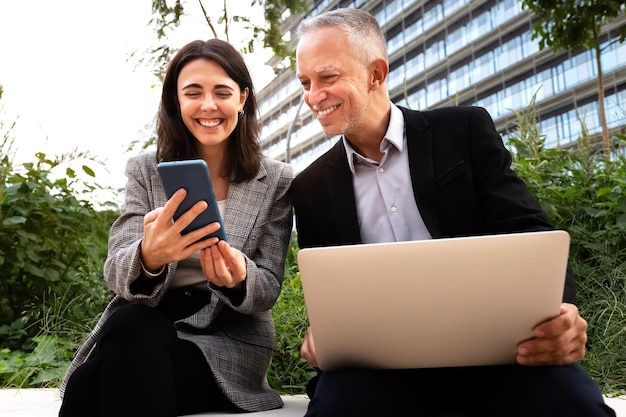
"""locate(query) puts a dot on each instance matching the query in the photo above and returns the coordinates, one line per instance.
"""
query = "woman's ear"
(244, 97)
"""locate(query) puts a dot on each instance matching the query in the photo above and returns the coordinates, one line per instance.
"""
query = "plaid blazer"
(258, 221)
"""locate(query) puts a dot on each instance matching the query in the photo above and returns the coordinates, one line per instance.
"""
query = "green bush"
(53, 245)
(52, 248)
(289, 373)
(585, 194)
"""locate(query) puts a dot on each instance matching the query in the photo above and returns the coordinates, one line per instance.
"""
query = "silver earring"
(240, 113)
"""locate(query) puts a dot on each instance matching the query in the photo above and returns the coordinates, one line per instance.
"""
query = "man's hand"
(558, 341)
(307, 351)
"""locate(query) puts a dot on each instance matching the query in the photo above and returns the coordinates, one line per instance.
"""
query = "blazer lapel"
(242, 208)
(158, 195)
(420, 147)
(338, 180)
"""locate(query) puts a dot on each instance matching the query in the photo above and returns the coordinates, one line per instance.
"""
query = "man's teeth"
(209, 123)
(326, 111)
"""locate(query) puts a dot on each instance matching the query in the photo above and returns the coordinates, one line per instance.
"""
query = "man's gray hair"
(365, 37)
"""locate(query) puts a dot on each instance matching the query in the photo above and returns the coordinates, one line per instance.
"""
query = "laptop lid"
(435, 303)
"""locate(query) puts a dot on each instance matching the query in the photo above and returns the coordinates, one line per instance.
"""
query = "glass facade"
(462, 52)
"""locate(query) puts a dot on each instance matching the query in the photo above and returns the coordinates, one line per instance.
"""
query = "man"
(397, 175)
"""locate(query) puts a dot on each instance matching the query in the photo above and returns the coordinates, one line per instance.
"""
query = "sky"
(69, 82)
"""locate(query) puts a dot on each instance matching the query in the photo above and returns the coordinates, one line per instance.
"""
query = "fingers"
(568, 322)
(170, 207)
(561, 351)
(223, 265)
(169, 210)
(163, 243)
(307, 350)
(558, 341)
(207, 262)
(152, 216)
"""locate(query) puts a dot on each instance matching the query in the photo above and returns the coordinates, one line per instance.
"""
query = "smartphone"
(193, 176)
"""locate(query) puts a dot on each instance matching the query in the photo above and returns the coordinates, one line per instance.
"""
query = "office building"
(461, 52)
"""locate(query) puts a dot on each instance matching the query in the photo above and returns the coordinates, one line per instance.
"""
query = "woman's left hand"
(223, 265)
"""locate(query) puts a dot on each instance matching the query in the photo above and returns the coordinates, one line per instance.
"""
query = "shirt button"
(394, 209)
(381, 170)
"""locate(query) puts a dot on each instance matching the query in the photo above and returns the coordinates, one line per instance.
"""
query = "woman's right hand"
(162, 241)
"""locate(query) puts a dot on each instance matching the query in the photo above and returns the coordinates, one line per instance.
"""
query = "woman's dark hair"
(174, 141)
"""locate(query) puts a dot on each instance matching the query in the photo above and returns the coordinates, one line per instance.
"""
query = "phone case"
(193, 176)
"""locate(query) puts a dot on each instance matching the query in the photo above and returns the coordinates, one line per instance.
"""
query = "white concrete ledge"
(46, 403)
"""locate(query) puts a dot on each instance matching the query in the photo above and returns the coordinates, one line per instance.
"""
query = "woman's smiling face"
(209, 101)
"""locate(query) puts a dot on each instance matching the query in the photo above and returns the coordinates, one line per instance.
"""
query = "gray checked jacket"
(258, 221)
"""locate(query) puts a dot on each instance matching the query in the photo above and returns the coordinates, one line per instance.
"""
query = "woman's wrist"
(151, 274)
(147, 272)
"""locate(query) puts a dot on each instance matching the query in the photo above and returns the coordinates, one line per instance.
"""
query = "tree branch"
(208, 21)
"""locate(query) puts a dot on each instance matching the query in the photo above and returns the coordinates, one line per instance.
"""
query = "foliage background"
(53, 243)
(53, 240)
(584, 193)
(53, 246)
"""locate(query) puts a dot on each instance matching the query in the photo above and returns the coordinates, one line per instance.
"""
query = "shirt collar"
(393, 137)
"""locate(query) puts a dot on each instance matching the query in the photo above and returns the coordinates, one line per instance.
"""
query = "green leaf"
(88, 171)
(12, 221)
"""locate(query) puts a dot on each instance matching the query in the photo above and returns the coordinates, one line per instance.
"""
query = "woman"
(190, 328)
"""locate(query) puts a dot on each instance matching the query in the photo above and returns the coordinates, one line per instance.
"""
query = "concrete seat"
(30, 402)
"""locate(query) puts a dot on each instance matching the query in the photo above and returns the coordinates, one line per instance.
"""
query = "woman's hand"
(223, 265)
(162, 242)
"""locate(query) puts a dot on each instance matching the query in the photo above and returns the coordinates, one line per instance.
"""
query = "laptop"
(464, 301)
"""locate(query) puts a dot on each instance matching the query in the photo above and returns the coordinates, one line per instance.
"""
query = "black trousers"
(494, 391)
(141, 368)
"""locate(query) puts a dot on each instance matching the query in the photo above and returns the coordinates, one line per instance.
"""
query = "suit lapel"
(338, 180)
(420, 147)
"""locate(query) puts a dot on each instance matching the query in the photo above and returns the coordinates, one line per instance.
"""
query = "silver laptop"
(434, 303)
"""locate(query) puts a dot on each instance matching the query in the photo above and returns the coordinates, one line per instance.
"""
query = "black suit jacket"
(461, 177)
